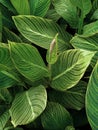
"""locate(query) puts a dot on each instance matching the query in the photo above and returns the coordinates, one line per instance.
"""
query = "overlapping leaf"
(92, 99)
(67, 10)
(89, 43)
(27, 106)
(39, 7)
(55, 117)
(11, 36)
(28, 61)
(85, 6)
(8, 77)
(73, 98)
(41, 31)
(8, 5)
(21, 6)
(5, 95)
(69, 68)
(3, 119)
(90, 29)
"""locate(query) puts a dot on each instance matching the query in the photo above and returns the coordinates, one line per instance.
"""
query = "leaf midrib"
(30, 104)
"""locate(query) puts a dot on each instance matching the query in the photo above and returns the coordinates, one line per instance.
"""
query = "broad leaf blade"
(69, 68)
(8, 77)
(67, 10)
(28, 61)
(85, 6)
(89, 43)
(5, 96)
(41, 31)
(92, 99)
(3, 119)
(8, 5)
(73, 98)
(21, 6)
(27, 106)
(90, 29)
(39, 7)
(55, 117)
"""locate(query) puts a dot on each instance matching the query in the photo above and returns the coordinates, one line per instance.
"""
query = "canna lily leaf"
(89, 43)
(67, 10)
(22, 7)
(92, 99)
(69, 68)
(73, 98)
(90, 29)
(41, 31)
(0, 25)
(39, 7)
(55, 117)
(52, 52)
(28, 105)
(28, 61)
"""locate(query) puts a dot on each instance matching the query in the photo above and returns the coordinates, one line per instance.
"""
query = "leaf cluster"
(48, 64)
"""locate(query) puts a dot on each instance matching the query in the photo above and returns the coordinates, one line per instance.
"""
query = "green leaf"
(85, 6)
(69, 68)
(21, 6)
(95, 15)
(0, 25)
(8, 5)
(11, 36)
(73, 98)
(27, 106)
(89, 43)
(52, 14)
(28, 61)
(67, 10)
(39, 7)
(41, 31)
(90, 29)
(3, 119)
(5, 95)
(55, 117)
(92, 99)
(94, 59)
(8, 77)
(69, 128)
(52, 52)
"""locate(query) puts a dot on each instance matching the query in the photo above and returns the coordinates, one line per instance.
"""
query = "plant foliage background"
(48, 64)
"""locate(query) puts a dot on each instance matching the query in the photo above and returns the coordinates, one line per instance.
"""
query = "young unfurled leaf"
(52, 52)
(28, 61)
(39, 7)
(92, 99)
(41, 31)
(21, 6)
